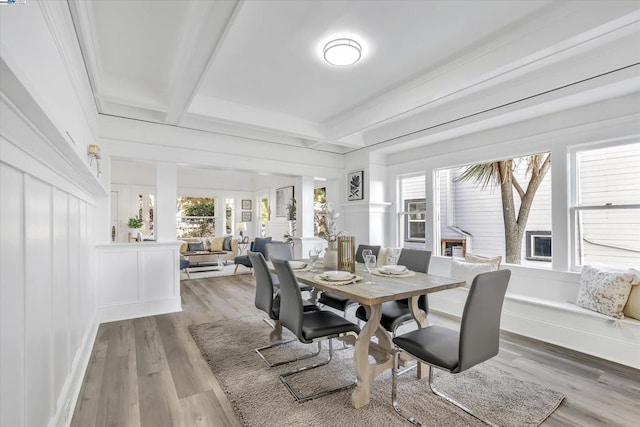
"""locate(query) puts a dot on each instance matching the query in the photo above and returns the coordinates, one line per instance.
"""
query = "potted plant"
(134, 224)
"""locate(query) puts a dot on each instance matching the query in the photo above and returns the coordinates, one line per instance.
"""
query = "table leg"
(314, 296)
(276, 334)
(421, 319)
(365, 372)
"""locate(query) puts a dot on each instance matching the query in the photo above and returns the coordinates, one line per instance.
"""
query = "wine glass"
(314, 254)
(369, 262)
(366, 252)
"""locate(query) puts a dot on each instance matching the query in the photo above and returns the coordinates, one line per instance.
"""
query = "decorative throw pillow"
(216, 244)
(632, 308)
(195, 246)
(259, 244)
(466, 271)
(184, 247)
(226, 245)
(604, 291)
(494, 261)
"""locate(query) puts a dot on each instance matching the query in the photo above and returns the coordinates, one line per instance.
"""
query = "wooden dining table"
(371, 296)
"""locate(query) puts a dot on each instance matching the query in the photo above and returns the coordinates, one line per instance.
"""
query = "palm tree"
(501, 173)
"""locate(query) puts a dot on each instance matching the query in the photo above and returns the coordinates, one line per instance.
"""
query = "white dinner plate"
(337, 276)
(393, 269)
(297, 265)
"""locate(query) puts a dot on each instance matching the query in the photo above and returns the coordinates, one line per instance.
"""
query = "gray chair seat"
(318, 324)
(335, 301)
(275, 309)
(442, 348)
(394, 313)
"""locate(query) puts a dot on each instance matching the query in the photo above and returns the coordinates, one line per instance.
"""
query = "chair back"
(374, 250)
(291, 307)
(264, 285)
(259, 243)
(480, 325)
(415, 259)
(280, 250)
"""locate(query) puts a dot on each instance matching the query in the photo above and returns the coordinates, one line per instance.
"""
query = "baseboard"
(139, 309)
(71, 389)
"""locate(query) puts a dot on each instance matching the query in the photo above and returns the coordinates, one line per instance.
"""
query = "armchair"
(258, 245)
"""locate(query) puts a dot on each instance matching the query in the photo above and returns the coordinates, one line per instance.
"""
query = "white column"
(304, 215)
(166, 194)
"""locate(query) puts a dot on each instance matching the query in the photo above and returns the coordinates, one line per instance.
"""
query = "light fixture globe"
(342, 52)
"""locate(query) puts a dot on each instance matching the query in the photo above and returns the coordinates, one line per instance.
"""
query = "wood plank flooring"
(148, 372)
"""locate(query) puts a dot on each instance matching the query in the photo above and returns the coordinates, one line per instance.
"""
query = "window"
(265, 214)
(415, 220)
(146, 203)
(472, 209)
(319, 200)
(228, 216)
(412, 220)
(538, 245)
(195, 217)
(606, 206)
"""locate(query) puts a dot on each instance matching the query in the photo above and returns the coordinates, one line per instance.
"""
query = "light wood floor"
(149, 372)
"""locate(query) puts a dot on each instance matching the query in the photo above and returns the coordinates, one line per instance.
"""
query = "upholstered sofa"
(216, 244)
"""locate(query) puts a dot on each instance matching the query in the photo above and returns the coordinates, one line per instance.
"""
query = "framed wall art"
(283, 196)
(355, 185)
(246, 216)
(246, 205)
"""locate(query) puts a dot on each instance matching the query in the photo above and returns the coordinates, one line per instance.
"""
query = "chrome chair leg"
(394, 391)
(412, 420)
(455, 402)
(259, 351)
(299, 398)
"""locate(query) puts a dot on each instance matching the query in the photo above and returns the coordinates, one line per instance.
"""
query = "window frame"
(575, 207)
(407, 219)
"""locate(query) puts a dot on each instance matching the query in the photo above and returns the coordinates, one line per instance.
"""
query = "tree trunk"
(512, 233)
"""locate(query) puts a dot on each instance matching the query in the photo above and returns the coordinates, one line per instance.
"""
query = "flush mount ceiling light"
(342, 52)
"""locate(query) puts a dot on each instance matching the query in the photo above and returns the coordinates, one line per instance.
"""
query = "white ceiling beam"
(207, 25)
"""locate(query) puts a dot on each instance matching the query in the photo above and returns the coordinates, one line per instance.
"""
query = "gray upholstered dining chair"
(282, 250)
(342, 303)
(446, 349)
(397, 313)
(267, 300)
(308, 327)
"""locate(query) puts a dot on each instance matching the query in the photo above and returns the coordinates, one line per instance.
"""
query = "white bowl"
(337, 275)
(393, 269)
(297, 265)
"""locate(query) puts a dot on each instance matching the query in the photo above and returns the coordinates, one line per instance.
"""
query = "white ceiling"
(254, 68)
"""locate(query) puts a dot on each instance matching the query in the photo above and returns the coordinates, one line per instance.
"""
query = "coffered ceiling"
(254, 68)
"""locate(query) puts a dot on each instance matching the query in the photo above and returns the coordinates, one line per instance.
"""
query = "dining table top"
(385, 288)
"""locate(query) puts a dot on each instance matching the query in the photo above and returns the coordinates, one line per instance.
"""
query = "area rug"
(259, 399)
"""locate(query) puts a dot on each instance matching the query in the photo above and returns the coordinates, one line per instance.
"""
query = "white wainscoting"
(138, 279)
(539, 304)
(47, 292)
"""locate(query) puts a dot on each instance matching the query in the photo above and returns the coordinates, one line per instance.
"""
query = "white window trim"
(573, 207)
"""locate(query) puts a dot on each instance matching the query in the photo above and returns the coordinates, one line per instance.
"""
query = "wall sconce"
(93, 151)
